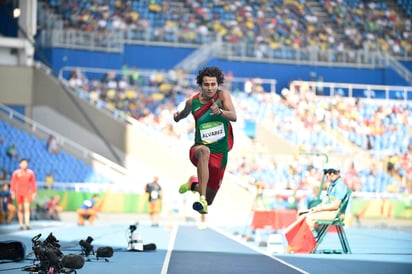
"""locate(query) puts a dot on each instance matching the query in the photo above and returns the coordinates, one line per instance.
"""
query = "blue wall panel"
(145, 57)
(164, 58)
(154, 57)
(392, 78)
(408, 65)
(82, 58)
(8, 24)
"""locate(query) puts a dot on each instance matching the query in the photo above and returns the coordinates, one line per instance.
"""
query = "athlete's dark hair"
(210, 72)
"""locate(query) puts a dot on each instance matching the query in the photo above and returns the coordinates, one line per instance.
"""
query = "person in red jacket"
(23, 189)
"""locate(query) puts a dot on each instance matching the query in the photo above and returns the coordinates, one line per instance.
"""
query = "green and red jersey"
(213, 131)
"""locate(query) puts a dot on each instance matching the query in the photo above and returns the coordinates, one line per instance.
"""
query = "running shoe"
(201, 205)
(186, 187)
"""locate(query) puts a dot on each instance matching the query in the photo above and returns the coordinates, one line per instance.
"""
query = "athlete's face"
(209, 87)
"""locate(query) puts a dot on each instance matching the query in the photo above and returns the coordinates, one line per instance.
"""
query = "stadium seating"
(285, 123)
(63, 166)
(289, 26)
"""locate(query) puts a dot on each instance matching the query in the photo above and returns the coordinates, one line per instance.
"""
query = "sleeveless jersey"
(211, 130)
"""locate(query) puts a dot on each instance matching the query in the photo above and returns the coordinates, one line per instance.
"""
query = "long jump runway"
(184, 249)
(208, 251)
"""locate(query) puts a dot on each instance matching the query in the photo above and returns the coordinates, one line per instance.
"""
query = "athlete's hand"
(176, 116)
(215, 108)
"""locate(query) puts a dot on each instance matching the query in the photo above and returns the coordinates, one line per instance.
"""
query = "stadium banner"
(111, 202)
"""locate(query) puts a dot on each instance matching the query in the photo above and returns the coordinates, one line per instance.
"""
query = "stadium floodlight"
(16, 13)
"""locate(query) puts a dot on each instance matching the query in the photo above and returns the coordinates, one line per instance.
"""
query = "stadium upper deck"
(262, 26)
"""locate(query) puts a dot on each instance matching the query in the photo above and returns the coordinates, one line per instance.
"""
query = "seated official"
(330, 205)
(300, 234)
(87, 210)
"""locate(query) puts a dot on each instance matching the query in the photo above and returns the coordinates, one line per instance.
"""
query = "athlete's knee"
(203, 152)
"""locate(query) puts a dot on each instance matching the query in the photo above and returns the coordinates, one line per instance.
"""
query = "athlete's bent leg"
(202, 155)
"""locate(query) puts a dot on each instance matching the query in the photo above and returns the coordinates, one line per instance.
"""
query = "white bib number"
(212, 132)
(154, 195)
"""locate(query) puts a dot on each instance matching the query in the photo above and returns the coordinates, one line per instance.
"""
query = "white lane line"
(169, 249)
(255, 248)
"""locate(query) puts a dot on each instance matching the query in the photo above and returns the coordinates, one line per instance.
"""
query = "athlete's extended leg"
(202, 155)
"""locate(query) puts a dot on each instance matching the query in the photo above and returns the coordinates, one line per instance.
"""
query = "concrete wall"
(16, 85)
(48, 92)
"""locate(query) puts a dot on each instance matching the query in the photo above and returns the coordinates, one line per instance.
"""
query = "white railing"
(403, 93)
(236, 83)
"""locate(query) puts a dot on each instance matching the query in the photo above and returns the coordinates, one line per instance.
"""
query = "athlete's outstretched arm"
(179, 115)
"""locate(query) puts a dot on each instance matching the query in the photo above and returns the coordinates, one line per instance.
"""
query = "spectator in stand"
(12, 151)
(134, 77)
(49, 181)
(52, 146)
(405, 170)
(3, 174)
(78, 80)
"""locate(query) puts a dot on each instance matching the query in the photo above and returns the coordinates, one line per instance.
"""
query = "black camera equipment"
(101, 252)
(87, 247)
(132, 228)
(51, 259)
(104, 252)
(73, 261)
(12, 251)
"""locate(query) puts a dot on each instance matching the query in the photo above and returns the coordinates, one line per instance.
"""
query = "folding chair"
(338, 222)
